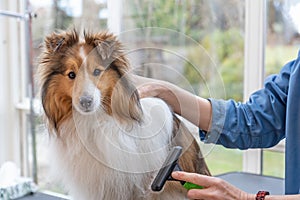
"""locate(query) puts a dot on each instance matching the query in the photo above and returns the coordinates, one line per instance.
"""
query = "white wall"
(10, 63)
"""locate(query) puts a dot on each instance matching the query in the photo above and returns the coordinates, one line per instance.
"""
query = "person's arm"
(218, 189)
(193, 108)
(257, 123)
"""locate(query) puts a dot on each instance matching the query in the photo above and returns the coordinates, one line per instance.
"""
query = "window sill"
(45, 195)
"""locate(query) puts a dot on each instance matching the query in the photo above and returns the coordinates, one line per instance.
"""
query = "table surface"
(252, 183)
(248, 182)
(41, 196)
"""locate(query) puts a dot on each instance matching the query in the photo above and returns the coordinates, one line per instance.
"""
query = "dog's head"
(89, 74)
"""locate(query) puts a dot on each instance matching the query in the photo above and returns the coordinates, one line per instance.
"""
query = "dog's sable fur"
(87, 92)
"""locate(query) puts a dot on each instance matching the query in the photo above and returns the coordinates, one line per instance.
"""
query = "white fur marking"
(82, 53)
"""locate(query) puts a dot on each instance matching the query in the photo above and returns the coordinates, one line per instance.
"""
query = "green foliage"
(225, 48)
(156, 13)
(221, 160)
(224, 44)
(277, 56)
(217, 161)
(273, 163)
(182, 16)
(232, 74)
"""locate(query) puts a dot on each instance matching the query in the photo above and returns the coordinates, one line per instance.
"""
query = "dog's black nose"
(86, 101)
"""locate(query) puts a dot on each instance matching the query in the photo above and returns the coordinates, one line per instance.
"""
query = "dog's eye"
(71, 75)
(97, 72)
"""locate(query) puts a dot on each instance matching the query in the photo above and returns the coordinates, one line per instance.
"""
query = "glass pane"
(283, 30)
(273, 164)
(283, 39)
(197, 45)
(222, 160)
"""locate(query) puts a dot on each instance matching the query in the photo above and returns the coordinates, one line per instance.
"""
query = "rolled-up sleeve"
(257, 123)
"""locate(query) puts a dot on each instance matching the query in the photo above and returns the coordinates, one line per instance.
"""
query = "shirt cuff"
(217, 124)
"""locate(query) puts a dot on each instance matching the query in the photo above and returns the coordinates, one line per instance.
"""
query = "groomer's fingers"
(198, 179)
(147, 90)
(145, 86)
(214, 188)
(205, 181)
(203, 194)
(152, 89)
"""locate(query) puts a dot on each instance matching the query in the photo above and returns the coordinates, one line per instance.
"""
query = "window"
(198, 45)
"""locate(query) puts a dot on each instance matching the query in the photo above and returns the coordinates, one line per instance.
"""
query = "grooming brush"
(170, 165)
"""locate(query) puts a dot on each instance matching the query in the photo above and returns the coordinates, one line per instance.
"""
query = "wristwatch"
(261, 195)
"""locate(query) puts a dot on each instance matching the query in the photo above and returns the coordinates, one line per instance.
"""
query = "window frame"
(254, 54)
(15, 48)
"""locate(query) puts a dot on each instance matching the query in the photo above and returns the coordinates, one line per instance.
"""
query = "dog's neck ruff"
(133, 148)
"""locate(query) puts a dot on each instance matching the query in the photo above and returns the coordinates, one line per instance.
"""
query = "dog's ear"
(57, 42)
(106, 44)
(105, 48)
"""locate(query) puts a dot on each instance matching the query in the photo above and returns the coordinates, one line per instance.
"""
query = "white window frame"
(255, 25)
(254, 73)
(10, 58)
(14, 49)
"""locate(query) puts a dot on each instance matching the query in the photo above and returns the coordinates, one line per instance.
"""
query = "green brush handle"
(190, 186)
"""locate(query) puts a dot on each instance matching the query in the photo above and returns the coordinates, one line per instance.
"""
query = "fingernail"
(176, 173)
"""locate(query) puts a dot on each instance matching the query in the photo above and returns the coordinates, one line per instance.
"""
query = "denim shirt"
(270, 114)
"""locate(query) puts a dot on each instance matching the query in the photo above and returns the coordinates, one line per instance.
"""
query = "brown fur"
(61, 57)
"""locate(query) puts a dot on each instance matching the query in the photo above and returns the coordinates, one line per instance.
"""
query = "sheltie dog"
(106, 142)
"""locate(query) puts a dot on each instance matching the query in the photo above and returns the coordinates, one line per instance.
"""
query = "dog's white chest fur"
(98, 158)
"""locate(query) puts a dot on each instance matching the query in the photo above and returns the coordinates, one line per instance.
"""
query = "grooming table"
(41, 196)
(252, 183)
(248, 182)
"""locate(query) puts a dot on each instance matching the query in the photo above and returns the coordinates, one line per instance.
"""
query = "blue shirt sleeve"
(257, 123)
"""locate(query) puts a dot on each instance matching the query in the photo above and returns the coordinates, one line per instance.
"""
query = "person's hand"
(157, 89)
(214, 188)
(195, 109)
